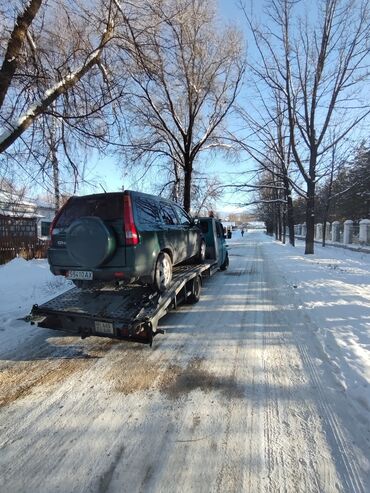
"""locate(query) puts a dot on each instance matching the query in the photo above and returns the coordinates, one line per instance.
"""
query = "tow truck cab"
(216, 247)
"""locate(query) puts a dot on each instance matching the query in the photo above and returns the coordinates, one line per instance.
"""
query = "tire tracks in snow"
(341, 452)
(296, 454)
(245, 414)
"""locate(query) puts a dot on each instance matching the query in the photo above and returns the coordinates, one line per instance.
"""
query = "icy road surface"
(263, 386)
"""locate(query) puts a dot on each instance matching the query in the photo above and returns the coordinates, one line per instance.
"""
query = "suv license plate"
(85, 275)
(104, 327)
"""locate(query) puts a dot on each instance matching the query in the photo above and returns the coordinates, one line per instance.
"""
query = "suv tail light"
(56, 217)
(131, 234)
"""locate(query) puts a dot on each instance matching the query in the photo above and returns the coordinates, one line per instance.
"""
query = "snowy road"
(239, 395)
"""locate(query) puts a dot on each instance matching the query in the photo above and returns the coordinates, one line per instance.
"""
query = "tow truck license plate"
(103, 327)
(85, 275)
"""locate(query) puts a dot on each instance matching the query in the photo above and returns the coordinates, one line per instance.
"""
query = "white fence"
(347, 233)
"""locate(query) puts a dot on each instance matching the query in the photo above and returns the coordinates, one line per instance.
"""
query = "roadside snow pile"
(25, 282)
(332, 289)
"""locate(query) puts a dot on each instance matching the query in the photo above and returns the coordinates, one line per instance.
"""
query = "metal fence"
(328, 232)
(356, 234)
(341, 233)
(348, 232)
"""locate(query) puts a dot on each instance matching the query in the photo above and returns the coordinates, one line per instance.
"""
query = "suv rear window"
(108, 208)
(203, 226)
(182, 215)
(220, 230)
(147, 211)
(168, 214)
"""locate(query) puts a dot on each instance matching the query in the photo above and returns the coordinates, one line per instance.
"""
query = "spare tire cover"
(90, 242)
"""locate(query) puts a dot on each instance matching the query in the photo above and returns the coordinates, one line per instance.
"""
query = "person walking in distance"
(242, 233)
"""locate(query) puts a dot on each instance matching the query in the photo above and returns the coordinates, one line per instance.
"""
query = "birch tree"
(57, 93)
(31, 96)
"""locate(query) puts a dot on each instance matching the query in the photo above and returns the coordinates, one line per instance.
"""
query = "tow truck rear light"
(131, 234)
(119, 275)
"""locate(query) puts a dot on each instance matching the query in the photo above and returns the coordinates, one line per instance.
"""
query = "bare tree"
(268, 145)
(206, 192)
(338, 159)
(62, 79)
(319, 65)
(186, 74)
(270, 202)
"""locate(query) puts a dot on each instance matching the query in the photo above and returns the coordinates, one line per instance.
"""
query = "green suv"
(125, 237)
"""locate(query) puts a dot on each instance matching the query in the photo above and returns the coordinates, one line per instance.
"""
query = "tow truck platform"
(130, 312)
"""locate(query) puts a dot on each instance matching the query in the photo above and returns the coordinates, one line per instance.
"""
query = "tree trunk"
(276, 221)
(284, 225)
(176, 185)
(289, 208)
(290, 219)
(328, 200)
(310, 217)
(279, 222)
(188, 171)
(324, 231)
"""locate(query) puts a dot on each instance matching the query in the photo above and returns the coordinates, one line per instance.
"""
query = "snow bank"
(25, 282)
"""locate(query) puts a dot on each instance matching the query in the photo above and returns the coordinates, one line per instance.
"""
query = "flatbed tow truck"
(130, 312)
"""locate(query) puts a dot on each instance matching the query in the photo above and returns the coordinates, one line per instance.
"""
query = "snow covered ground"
(261, 386)
(22, 284)
(332, 290)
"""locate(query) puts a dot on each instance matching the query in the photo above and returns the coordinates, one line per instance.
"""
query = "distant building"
(256, 225)
(46, 215)
(229, 224)
(23, 219)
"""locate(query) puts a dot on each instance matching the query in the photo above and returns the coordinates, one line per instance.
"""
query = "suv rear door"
(107, 207)
(149, 223)
(190, 232)
(174, 235)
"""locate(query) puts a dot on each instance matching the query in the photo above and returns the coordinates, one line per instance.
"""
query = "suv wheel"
(163, 272)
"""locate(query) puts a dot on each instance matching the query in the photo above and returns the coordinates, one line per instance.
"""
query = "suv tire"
(194, 286)
(163, 272)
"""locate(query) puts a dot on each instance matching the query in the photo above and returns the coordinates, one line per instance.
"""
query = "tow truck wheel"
(194, 287)
(225, 263)
(163, 272)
